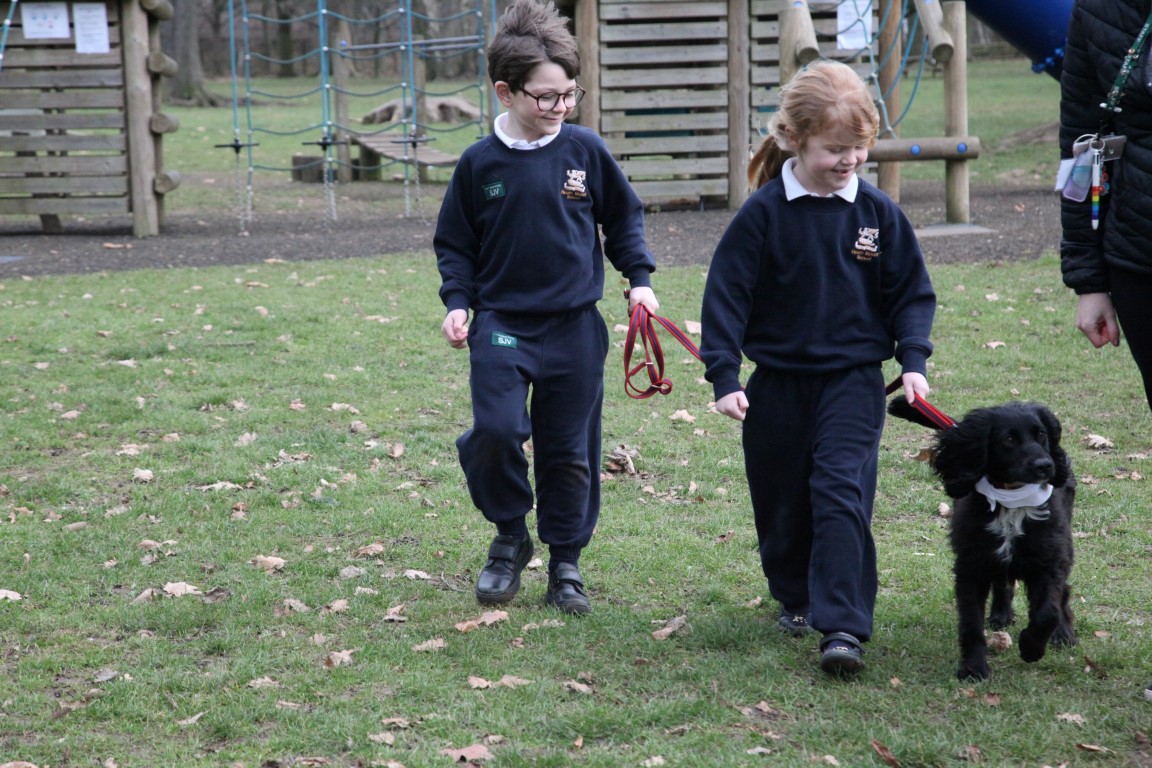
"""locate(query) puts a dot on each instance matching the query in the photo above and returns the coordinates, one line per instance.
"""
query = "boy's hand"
(455, 328)
(733, 405)
(642, 295)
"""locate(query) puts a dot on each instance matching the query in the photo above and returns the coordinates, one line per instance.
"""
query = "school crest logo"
(867, 245)
(574, 188)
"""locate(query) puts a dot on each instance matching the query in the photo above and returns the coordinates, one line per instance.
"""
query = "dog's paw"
(1032, 645)
(1001, 619)
(973, 670)
(1063, 637)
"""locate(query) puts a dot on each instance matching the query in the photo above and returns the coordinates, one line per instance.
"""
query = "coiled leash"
(640, 325)
(931, 416)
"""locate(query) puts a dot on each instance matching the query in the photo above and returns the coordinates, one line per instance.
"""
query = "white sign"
(91, 22)
(45, 20)
(854, 25)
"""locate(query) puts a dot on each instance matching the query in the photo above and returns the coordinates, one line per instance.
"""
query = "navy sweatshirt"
(517, 230)
(815, 285)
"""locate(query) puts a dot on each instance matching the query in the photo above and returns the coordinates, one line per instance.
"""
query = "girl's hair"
(825, 94)
(530, 34)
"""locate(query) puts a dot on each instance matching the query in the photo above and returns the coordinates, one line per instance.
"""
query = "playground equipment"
(335, 53)
(686, 87)
(81, 120)
(1036, 28)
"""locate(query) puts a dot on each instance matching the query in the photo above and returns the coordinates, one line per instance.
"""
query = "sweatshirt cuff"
(725, 386)
(457, 301)
(640, 278)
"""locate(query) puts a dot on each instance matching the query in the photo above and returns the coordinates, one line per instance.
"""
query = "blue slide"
(1036, 28)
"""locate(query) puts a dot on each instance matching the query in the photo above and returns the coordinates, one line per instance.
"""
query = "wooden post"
(160, 123)
(138, 104)
(888, 174)
(957, 203)
(797, 41)
(587, 23)
(340, 32)
(739, 102)
(932, 22)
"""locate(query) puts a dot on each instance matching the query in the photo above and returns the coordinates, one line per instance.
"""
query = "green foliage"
(306, 411)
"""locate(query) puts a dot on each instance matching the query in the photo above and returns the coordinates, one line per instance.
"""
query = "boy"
(517, 242)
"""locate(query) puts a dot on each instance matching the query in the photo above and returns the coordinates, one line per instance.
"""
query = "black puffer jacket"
(1098, 38)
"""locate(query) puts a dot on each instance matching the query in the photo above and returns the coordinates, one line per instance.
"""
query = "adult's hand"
(1096, 319)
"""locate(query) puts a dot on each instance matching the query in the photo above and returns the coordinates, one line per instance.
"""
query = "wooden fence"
(80, 116)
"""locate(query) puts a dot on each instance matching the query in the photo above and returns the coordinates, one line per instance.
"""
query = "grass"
(307, 411)
(166, 428)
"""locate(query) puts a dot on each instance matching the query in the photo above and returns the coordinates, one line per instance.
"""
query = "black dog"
(1000, 464)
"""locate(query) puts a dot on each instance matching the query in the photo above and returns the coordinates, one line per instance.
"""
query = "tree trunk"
(188, 86)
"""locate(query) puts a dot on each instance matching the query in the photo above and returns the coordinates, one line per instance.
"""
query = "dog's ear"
(902, 409)
(1055, 431)
(961, 453)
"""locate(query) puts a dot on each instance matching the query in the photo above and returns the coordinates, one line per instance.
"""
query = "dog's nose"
(1043, 467)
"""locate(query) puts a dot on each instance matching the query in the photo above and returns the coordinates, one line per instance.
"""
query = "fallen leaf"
(1093, 748)
(653, 762)
(1099, 443)
(577, 687)
(191, 720)
(468, 754)
(336, 606)
(268, 564)
(369, 550)
(180, 589)
(1070, 717)
(384, 738)
(486, 619)
(435, 644)
(7, 594)
(998, 642)
(671, 627)
(994, 345)
(338, 658)
(885, 754)
(142, 475)
(263, 682)
(683, 415)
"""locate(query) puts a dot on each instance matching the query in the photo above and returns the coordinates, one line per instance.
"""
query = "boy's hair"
(822, 95)
(529, 34)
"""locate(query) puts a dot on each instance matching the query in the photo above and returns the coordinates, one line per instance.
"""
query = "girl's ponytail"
(766, 163)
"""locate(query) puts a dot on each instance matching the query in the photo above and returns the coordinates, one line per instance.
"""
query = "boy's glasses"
(548, 101)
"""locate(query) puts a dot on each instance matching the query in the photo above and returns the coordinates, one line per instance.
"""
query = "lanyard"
(1116, 93)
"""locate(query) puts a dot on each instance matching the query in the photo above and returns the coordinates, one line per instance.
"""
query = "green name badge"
(501, 339)
(493, 190)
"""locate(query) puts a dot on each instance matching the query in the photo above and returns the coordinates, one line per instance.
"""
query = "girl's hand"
(734, 405)
(642, 295)
(915, 386)
(455, 328)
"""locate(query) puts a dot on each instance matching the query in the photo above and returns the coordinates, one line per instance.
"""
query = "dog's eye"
(1010, 440)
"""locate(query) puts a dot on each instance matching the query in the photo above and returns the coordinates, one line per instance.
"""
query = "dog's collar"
(1031, 495)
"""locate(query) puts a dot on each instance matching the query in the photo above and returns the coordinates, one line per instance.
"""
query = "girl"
(818, 280)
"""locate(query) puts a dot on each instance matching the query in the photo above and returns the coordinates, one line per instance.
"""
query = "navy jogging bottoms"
(538, 377)
(811, 446)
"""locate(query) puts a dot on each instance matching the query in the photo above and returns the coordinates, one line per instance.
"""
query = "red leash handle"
(940, 419)
(640, 326)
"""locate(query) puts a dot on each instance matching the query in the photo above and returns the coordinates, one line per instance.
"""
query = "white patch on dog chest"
(1008, 525)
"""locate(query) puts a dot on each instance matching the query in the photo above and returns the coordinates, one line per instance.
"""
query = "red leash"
(640, 325)
(930, 412)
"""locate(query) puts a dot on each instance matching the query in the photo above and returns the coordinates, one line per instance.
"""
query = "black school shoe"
(794, 624)
(566, 590)
(499, 579)
(841, 654)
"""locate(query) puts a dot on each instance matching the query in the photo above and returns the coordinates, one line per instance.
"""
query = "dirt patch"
(293, 222)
